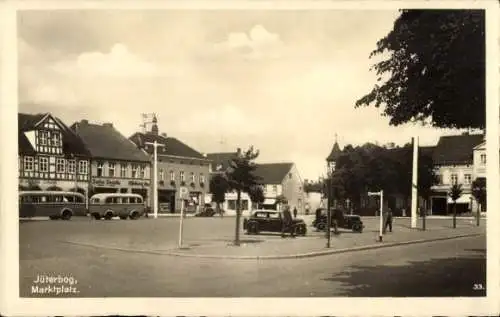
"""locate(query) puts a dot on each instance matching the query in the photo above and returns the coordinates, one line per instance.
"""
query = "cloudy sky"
(283, 81)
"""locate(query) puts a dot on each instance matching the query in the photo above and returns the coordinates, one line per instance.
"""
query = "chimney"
(107, 124)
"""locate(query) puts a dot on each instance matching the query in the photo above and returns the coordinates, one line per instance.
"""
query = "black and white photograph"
(252, 151)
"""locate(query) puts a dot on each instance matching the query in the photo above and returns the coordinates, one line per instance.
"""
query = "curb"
(276, 257)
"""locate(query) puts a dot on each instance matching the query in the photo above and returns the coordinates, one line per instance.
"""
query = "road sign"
(184, 192)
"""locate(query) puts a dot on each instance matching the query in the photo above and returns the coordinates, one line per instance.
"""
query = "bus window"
(95, 200)
(43, 199)
(116, 200)
(109, 200)
(125, 200)
(68, 198)
(78, 199)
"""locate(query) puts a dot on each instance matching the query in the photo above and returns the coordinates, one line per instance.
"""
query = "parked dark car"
(344, 221)
(271, 221)
(208, 211)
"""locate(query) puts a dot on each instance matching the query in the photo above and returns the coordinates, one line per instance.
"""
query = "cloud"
(258, 43)
(119, 62)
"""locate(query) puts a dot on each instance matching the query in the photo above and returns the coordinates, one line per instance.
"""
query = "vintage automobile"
(208, 211)
(272, 221)
(344, 220)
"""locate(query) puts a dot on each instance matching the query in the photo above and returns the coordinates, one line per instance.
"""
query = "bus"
(52, 204)
(109, 205)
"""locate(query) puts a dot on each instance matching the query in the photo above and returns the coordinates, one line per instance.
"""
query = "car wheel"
(96, 216)
(321, 226)
(134, 215)
(108, 215)
(357, 228)
(66, 215)
(300, 230)
(253, 228)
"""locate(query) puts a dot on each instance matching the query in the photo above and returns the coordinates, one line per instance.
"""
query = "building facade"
(479, 168)
(281, 180)
(453, 160)
(117, 165)
(178, 166)
(51, 156)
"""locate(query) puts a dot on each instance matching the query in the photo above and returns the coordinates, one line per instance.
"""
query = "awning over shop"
(269, 201)
(464, 199)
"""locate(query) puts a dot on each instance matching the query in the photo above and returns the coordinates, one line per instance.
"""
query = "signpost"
(381, 194)
(184, 194)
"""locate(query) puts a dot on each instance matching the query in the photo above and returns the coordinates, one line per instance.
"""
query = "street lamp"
(330, 170)
(381, 222)
(155, 176)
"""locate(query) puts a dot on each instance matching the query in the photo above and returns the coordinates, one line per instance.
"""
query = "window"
(56, 139)
(172, 176)
(123, 170)
(60, 165)
(182, 176)
(231, 204)
(202, 178)
(160, 174)
(111, 169)
(467, 179)
(244, 204)
(28, 163)
(483, 159)
(83, 167)
(275, 188)
(193, 178)
(44, 164)
(71, 166)
(100, 168)
(454, 179)
(43, 137)
(134, 170)
(142, 171)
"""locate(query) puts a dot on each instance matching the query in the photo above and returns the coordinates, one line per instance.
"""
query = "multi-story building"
(117, 165)
(178, 166)
(281, 179)
(453, 159)
(51, 156)
(479, 168)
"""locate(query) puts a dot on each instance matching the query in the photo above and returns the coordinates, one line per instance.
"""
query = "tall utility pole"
(155, 176)
(414, 184)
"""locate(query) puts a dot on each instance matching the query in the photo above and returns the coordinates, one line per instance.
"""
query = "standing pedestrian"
(388, 220)
(294, 212)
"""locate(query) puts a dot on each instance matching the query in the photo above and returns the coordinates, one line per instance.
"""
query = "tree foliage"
(241, 178)
(256, 194)
(479, 190)
(374, 168)
(219, 186)
(435, 69)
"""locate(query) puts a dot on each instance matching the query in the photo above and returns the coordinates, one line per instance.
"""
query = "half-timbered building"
(51, 156)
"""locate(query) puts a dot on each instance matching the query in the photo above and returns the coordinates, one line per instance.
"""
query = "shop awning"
(269, 201)
(464, 199)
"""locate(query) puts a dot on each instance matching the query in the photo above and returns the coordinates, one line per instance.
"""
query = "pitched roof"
(456, 149)
(104, 141)
(427, 150)
(272, 173)
(335, 152)
(220, 159)
(72, 144)
(172, 146)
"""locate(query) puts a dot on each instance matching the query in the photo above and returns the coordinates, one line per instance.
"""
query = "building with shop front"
(51, 156)
(117, 165)
(179, 165)
(453, 159)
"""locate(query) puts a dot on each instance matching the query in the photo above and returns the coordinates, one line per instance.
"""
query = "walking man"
(294, 212)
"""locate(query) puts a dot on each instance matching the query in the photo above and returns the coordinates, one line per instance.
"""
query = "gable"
(48, 122)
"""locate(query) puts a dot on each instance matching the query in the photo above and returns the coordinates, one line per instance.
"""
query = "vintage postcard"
(250, 158)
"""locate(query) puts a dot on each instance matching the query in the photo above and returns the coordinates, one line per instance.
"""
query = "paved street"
(446, 268)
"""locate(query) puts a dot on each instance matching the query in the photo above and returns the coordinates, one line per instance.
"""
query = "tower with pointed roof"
(154, 128)
(334, 155)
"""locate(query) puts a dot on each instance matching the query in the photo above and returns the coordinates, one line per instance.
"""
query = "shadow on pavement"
(440, 277)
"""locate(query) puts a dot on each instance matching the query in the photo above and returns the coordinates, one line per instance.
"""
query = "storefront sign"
(103, 182)
(138, 183)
